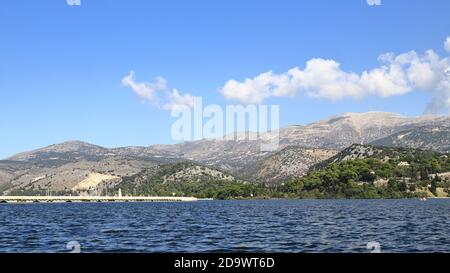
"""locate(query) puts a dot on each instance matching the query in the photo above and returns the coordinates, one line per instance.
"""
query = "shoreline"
(92, 199)
(109, 200)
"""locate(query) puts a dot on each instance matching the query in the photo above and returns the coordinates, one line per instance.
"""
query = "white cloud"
(374, 2)
(259, 88)
(176, 100)
(447, 44)
(145, 91)
(157, 93)
(325, 79)
(73, 2)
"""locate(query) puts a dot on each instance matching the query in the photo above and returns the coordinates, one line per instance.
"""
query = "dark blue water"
(224, 226)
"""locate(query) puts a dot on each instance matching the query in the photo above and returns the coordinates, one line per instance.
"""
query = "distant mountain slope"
(62, 153)
(67, 176)
(357, 151)
(62, 166)
(75, 151)
(426, 137)
(335, 133)
(290, 162)
(342, 131)
(178, 178)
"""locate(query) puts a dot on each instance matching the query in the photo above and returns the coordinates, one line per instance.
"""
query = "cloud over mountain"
(325, 79)
(157, 93)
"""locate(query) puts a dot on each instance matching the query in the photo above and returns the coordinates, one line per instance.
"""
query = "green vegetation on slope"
(357, 172)
(201, 184)
(392, 173)
(396, 175)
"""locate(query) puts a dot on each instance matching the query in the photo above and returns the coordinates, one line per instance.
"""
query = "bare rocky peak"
(341, 131)
(364, 121)
(425, 137)
(82, 149)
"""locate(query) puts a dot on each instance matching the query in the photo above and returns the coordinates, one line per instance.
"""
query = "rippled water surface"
(224, 226)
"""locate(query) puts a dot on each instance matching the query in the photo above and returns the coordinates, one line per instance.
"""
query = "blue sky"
(61, 66)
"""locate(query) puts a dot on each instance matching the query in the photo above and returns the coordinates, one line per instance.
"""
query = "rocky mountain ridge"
(63, 166)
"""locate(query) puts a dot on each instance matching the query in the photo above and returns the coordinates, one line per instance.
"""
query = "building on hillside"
(403, 164)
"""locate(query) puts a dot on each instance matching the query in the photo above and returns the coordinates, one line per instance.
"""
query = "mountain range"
(80, 166)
